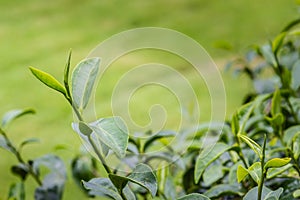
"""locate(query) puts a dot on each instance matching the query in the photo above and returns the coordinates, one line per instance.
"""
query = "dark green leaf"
(221, 189)
(48, 80)
(207, 156)
(295, 82)
(194, 196)
(144, 176)
(84, 128)
(102, 187)
(48, 193)
(66, 74)
(119, 181)
(113, 133)
(20, 170)
(14, 114)
(83, 80)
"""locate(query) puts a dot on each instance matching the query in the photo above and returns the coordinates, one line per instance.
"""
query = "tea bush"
(255, 155)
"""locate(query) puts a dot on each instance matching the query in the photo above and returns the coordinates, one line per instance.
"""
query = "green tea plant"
(50, 185)
(255, 155)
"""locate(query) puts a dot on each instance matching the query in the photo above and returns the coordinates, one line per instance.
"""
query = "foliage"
(254, 155)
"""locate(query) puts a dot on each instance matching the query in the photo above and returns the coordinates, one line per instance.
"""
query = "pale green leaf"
(144, 176)
(48, 80)
(83, 80)
(296, 193)
(276, 103)
(14, 114)
(273, 172)
(207, 156)
(252, 144)
(290, 133)
(102, 187)
(255, 171)
(220, 189)
(277, 162)
(113, 133)
(212, 174)
(194, 196)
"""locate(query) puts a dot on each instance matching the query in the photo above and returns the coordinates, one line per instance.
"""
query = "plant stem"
(19, 157)
(263, 172)
(294, 114)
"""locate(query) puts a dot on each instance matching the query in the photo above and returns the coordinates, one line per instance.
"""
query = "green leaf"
(276, 103)
(14, 114)
(267, 194)
(212, 174)
(290, 133)
(194, 196)
(20, 170)
(241, 173)
(17, 191)
(278, 41)
(235, 124)
(277, 162)
(102, 187)
(119, 181)
(296, 193)
(3, 144)
(267, 53)
(273, 172)
(113, 133)
(255, 171)
(83, 80)
(244, 113)
(48, 80)
(144, 176)
(296, 145)
(66, 74)
(157, 136)
(295, 81)
(221, 189)
(207, 156)
(277, 120)
(28, 141)
(252, 144)
(84, 128)
(56, 177)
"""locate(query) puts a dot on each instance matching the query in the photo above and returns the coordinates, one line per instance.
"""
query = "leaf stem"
(13, 149)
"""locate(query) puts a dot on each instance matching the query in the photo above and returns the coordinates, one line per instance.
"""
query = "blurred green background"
(40, 34)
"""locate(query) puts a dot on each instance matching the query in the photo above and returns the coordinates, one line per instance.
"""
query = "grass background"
(38, 33)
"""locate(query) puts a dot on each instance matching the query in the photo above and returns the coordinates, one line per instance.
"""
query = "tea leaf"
(252, 144)
(207, 156)
(14, 114)
(241, 173)
(48, 80)
(83, 80)
(220, 189)
(277, 162)
(194, 196)
(144, 176)
(278, 41)
(102, 187)
(276, 103)
(113, 133)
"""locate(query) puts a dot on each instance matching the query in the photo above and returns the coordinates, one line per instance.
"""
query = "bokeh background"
(40, 34)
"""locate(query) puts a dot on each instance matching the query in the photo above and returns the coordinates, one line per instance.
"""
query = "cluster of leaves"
(50, 185)
(253, 156)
